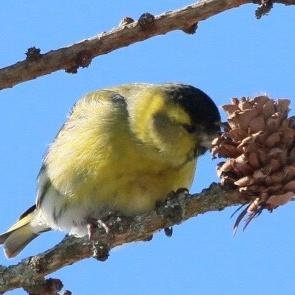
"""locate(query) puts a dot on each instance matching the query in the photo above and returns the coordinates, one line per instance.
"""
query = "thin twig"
(81, 54)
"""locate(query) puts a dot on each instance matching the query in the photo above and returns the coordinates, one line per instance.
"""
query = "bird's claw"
(171, 208)
(168, 231)
(175, 194)
(95, 224)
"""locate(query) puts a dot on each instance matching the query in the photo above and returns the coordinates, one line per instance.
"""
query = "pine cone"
(258, 143)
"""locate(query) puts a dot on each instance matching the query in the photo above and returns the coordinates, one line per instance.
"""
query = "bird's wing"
(72, 141)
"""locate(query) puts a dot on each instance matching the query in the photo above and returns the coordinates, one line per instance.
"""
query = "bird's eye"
(189, 128)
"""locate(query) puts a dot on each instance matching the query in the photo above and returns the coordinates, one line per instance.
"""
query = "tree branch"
(80, 54)
(29, 273)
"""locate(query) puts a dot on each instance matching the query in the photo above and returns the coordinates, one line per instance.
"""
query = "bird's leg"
(102, 225)
(99, 248)
(175, 194)
(93, 225)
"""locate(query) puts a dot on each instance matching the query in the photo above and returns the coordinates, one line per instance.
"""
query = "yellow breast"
(95, 160)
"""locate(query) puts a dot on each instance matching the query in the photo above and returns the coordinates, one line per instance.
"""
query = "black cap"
(197, 104)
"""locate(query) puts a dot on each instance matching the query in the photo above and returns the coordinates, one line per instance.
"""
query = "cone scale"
(258, 146)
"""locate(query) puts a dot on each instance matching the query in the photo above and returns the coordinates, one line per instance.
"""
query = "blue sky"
(232, 54)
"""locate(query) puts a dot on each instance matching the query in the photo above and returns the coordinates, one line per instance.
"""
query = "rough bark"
(29, 273)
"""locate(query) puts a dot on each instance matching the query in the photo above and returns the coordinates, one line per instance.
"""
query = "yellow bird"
(124, 149)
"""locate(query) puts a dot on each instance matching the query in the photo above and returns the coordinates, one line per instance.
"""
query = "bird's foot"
(93, 225)
(168, 231)
(171, 208)
(100, 251)
(176, 194)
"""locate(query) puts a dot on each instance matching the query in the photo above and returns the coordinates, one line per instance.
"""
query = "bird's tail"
(21, 233)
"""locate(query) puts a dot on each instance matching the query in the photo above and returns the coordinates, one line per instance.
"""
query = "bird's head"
(178, 120)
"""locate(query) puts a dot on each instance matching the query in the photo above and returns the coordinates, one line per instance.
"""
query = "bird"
(122, 148)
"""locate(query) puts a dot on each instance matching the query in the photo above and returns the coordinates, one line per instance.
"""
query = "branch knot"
(146, 21)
